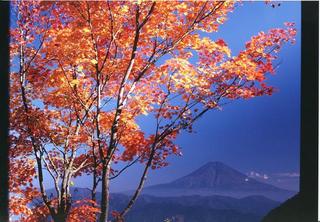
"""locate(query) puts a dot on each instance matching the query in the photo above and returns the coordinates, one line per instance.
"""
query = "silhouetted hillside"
(188, 208)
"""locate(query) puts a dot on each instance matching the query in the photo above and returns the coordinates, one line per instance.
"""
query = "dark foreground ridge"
(188, 208)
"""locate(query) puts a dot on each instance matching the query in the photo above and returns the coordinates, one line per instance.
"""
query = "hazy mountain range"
(192, 208)
(216, 178)
(213, 193)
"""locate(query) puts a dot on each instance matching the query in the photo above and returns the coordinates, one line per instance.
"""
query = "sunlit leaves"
(75, 59)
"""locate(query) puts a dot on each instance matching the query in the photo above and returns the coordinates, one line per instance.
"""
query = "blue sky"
(261, 134)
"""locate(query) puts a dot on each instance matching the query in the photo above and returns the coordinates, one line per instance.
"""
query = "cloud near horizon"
(254, 174)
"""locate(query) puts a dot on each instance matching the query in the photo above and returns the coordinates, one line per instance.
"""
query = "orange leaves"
(93, 61)
(83, 210)
(19, 206)
(87, 45)
(250, 67)
(164, 149)
(184, 77)
(21, 173)
(212, 52)
(78, 96)
(86, 30)
(22, 192)
(217, 14)
(74, 82)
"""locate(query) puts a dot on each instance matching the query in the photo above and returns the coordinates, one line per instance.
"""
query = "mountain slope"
(216, 178)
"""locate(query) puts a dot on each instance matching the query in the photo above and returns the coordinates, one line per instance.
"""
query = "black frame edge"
(4, 117)
(309, 110)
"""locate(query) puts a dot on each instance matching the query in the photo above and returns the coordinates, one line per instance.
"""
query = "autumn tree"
(84, 73)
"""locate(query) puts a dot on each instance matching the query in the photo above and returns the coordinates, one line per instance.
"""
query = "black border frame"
(4, 104)
(309, 109)
(307, 199)
(304, 206)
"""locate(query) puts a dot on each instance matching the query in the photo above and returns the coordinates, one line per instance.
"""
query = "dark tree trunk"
(105, 194)
(60, 217)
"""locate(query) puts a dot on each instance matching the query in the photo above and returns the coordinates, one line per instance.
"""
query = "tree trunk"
(105, 194)
(60, 217)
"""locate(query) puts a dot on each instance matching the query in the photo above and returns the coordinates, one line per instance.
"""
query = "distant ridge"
(214, 192)
(216, 178)
(187, 208)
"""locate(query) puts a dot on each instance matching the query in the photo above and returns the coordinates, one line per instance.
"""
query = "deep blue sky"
(261, 134)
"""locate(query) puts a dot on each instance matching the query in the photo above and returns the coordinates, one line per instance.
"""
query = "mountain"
(216, 178)
(188, 208)
(213, 193)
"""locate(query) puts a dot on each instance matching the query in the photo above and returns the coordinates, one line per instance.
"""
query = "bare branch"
(124, 168)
